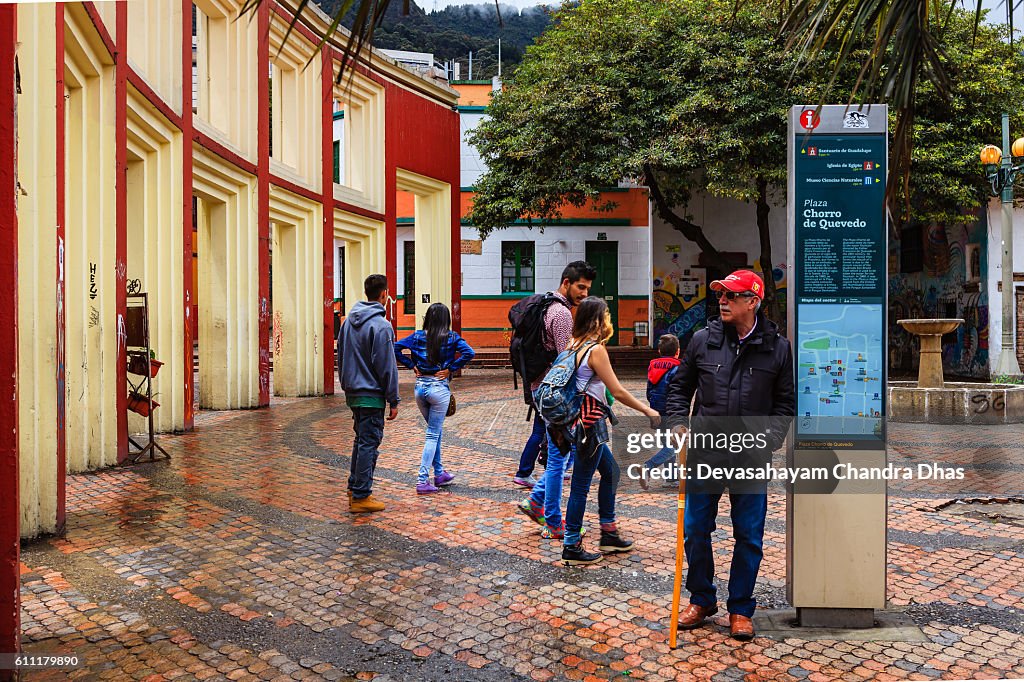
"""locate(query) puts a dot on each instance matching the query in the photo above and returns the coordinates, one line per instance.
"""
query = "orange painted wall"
(473, 94)
(631, 204)
(485, 321)
(406, 204)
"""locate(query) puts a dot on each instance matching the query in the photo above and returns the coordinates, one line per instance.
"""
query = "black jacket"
(753, 379)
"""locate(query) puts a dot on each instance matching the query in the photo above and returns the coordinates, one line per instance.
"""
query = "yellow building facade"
(174, 145)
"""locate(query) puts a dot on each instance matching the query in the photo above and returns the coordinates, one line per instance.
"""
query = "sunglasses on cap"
(733, 295)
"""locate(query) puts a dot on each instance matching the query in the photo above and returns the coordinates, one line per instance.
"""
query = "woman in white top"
(591, 330)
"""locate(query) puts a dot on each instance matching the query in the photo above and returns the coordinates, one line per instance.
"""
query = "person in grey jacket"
(369, 376)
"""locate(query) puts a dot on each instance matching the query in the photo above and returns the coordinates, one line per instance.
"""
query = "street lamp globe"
(991, 155)
(1018, 147)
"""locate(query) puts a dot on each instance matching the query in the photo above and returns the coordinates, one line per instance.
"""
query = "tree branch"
(692, 231)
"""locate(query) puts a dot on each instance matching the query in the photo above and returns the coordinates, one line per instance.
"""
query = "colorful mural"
(680, 298)
(943, 289)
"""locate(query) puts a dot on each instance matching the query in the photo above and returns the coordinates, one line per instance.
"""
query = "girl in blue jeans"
(595, 377)
(435, 352)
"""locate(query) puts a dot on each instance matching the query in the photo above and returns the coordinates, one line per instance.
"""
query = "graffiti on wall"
(946, 287)
(680, 298)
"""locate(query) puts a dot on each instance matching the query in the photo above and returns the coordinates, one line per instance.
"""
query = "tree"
(946, 185)
(690, 97)
(685, 97)
(904, 53)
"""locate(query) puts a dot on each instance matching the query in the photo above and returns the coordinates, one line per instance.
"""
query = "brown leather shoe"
(366, 504)
(741, 627)
(693, 615)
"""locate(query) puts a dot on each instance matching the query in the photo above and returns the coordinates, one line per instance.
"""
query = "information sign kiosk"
(836, 528)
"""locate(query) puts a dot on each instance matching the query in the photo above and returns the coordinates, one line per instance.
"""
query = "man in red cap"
(741, 369)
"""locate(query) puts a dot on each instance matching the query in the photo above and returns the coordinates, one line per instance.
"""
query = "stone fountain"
(930, 332)
(934, 401)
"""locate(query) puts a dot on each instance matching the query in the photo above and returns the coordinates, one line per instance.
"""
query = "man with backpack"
(542, 329)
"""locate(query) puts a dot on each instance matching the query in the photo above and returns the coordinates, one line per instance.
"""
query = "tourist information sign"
(836, 528)
(837, 294)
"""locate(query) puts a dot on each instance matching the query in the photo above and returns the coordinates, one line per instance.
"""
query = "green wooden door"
(604, 256)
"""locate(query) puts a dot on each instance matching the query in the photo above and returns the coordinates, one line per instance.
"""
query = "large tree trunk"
(771, 304)
(690, 230)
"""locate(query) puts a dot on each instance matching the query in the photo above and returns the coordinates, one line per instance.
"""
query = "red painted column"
(121, 223)
(327, 185)
(10, 624)
(263, 194)
(186, 207)
(61, 162)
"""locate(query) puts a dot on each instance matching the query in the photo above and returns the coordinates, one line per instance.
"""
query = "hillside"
(454, 32)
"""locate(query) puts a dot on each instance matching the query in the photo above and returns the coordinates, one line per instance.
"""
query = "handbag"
(451, 406)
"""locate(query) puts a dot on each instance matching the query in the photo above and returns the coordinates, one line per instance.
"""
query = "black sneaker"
(612, 542)
(574, 555)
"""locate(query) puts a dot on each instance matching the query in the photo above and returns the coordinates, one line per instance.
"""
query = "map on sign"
(840, 370)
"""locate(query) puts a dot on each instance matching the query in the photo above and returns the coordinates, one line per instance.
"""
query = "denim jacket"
(416, 344)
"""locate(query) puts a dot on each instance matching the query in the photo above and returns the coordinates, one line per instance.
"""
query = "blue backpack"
(557, 400)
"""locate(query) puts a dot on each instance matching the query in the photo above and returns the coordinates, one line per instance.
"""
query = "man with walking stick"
(741, 369)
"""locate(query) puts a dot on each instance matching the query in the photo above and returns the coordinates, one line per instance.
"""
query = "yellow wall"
(91, 334)
(37, 264)
(226, 241)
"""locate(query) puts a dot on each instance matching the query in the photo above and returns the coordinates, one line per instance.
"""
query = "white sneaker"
(527, 482)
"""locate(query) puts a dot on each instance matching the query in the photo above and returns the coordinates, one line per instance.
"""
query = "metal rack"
(140, 364)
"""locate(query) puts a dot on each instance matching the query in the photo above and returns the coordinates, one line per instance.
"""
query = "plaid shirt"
(416, 344)
(557, 325)
(557, 330)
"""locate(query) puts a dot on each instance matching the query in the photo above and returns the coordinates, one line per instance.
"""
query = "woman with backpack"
(433, 352)
(595, 378)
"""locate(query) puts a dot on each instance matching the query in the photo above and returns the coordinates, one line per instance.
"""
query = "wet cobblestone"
(239, 560)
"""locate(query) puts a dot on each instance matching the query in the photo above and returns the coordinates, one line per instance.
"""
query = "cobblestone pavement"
(239, 560)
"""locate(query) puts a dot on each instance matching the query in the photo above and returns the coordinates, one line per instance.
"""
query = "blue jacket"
(416, 344)
(366, 361)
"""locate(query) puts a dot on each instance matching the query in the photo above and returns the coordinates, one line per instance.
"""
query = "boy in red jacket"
(659, 375)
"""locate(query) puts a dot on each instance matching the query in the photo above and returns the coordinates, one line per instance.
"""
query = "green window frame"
(518, 267)
(409, 298)
(337, 161)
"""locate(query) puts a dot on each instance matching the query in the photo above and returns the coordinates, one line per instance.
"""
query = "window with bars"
(409, 299)
(517, 271)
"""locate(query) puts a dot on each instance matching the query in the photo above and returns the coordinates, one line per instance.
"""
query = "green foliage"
(455, 31)
(685, 93)
(947, 183)
(692, 95)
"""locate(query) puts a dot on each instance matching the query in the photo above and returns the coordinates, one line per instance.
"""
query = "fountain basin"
(930, 332)
(956, 403)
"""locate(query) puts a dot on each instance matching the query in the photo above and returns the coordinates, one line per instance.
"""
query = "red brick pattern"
(239, 560)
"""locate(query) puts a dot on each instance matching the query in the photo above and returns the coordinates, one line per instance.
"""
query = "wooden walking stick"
(677, 581)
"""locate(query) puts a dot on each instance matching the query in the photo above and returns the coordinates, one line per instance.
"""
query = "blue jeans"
(602, 461)
(663, 456)
(548, 491)
(432, 396)
(528, 460)
(368, 423)
(748, 514)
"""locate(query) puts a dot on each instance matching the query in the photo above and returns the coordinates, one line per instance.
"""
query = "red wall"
(422, 137)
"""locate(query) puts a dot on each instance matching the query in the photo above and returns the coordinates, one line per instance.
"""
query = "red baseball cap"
(741, 281)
